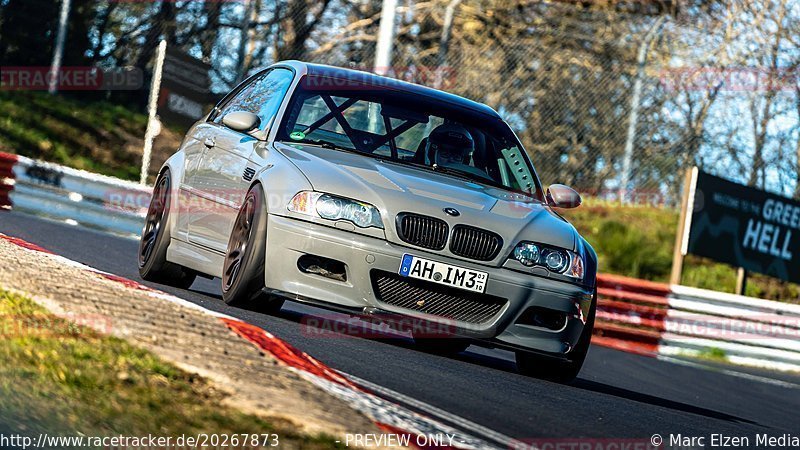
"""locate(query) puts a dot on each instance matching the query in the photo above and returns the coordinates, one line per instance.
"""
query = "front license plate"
(439, 272)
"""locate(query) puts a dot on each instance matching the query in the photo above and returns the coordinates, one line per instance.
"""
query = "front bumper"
(289, 239)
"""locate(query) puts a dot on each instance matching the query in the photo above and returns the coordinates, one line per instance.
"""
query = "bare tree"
(162, 26)
(210, 33)
(770, 34)
(302, 17)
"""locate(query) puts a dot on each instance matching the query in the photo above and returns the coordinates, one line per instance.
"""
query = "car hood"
(394, 188)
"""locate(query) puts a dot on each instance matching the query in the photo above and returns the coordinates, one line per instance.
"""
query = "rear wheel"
(153, 264)
(555, 370)
(243, 270)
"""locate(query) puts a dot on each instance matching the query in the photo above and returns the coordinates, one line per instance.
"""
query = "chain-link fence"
(609, 97)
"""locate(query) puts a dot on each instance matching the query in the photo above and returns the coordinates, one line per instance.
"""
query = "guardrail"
(632, 315)
(659, 319)
(71, 195)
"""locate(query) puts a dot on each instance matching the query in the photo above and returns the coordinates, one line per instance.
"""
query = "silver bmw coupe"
(382, 199)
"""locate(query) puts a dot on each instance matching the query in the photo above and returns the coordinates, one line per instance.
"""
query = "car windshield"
(408, 130)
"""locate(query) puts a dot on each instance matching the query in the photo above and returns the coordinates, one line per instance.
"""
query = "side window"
(233, 103)
(263, 96)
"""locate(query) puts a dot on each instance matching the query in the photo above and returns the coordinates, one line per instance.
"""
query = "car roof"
(341, 73)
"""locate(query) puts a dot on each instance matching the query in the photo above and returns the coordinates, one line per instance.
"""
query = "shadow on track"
(510, 367)
(648, 399)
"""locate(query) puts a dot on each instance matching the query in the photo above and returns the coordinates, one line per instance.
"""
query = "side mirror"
(561, 196)
(241, 121)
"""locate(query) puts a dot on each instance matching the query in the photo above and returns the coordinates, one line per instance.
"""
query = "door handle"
(209, 142)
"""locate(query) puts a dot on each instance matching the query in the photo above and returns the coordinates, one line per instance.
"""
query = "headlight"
(331, 207)
(527, 253)
(556, 260)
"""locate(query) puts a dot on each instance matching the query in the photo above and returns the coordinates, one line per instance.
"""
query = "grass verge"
(97, 136)
(63, 379)
(714, 354)
(637, 241)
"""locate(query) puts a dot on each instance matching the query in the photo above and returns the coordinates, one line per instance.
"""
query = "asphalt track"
(617, 395)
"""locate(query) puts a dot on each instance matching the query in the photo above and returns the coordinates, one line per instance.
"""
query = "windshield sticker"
(297, 135)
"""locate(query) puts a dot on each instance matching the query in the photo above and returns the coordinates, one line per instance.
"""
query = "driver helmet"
(450, 144)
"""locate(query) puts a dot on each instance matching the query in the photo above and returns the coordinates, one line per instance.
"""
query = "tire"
(153, 264)
(245, 257)
(556, 370)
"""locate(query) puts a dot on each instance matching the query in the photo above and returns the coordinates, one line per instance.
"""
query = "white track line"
(733, 373)
(481, 431)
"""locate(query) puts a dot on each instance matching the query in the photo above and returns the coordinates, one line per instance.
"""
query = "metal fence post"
(58, 52)
(385, 45)
(153, 125)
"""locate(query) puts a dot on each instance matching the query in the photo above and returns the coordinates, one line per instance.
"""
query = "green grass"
(85, 135)
(638, 241)
(630, 241)
(709, 354)
(67, 380)
(714, 353)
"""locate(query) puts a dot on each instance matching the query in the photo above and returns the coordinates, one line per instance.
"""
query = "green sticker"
(297, 135)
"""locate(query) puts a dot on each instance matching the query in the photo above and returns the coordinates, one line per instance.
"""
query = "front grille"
(474, 243)
(434, 299)
(422, 231)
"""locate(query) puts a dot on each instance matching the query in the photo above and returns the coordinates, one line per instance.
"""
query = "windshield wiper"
(330, 145)
(319, 142)
(434, 168)
(462, 174)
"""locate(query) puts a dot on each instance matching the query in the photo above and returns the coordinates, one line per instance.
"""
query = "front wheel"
(560, 371)
(243, 270)
(153, 264)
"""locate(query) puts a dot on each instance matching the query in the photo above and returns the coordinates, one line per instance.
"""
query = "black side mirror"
(561, 196)
(241, 121)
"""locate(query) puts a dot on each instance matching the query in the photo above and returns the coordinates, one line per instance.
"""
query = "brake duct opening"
(324, 267)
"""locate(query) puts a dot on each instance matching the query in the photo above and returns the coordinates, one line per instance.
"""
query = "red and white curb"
(383, 406)
(7, 179)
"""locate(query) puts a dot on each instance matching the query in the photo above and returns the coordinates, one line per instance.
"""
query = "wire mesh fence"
(610, 97)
